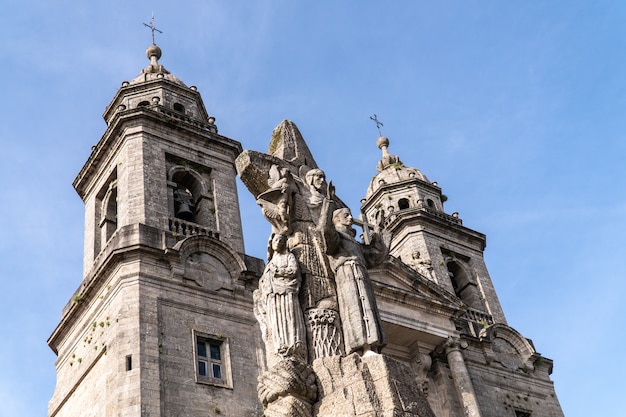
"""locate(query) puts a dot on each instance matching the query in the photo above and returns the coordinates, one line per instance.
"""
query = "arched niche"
(509, 347)
(209, 262)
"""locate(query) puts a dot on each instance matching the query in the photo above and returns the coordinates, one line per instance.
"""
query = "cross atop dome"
(152, 28)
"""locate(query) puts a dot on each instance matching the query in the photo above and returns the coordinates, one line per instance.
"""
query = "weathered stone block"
(373, 385)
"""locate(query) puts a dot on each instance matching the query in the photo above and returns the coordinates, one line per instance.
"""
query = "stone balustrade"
(477, 316)
(182, 117)
(415, 211)
(183, 229)
(442, 215)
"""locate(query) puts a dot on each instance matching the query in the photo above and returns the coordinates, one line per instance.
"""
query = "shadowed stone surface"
(373, 385)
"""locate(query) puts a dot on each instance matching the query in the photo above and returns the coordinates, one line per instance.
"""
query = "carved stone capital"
(454, 344)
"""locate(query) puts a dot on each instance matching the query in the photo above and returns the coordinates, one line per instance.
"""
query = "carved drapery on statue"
(277, 307)
(360, 320)
(290, 191)
(288, 388)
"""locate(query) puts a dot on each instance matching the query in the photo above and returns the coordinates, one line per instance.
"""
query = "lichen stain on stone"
(277, 136)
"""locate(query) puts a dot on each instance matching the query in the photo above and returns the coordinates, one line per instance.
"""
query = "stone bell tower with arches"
(467, 359)
(162, 322)
(402, 201)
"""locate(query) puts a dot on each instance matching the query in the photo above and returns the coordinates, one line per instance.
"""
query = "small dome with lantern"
(154, 70)
(155, 89)
(391, 170)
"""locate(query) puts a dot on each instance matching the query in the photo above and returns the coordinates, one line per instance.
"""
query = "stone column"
(461, 377)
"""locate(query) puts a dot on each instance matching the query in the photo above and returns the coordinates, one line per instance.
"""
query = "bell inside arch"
(184, 205)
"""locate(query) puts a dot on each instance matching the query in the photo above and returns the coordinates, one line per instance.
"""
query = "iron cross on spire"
(378, 123)
(152, 28)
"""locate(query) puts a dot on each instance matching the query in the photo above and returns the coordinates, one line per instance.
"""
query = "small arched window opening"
(179, 107)
(455, 272)
(403, 203)
(430, 203)
(144, 103)
(110, 213)
(464, 287)
(106, 212)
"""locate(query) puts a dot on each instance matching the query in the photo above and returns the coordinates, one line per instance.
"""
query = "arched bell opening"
(464, 286)
(191, 199)
(106, 213)
(179, 107)
(187, 192)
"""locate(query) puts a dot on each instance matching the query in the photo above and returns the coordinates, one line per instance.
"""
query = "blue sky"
(516, 109)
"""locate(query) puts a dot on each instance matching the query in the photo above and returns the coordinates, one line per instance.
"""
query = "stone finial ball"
(382, 141)
(153, 50)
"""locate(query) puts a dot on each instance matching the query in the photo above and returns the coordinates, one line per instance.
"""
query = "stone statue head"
(315, 178)
(342, 217)
(277, 243)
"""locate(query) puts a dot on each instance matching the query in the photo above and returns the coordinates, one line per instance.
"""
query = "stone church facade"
(163, 322)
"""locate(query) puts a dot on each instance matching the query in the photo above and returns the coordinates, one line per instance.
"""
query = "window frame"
(223, 362)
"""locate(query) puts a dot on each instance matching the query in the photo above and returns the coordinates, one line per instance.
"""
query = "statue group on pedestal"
(315, 299)
(315, 267)
(316, 271)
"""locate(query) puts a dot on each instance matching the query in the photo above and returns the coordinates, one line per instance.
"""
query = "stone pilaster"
(461, 377)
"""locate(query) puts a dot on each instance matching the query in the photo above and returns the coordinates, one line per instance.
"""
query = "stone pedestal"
(370, 386)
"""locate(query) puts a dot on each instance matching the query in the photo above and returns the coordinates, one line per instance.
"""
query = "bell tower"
(162, 321)
(403, 202)
(153, 126)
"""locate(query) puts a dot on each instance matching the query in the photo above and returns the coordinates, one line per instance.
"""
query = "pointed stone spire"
(288, 144)
(391, 170)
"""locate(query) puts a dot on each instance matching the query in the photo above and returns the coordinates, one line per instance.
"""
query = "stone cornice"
(412, 299)
(112, 139)
(395, 268)
(133, 89)
(423, 216)
(129, 243)
(379, 193)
